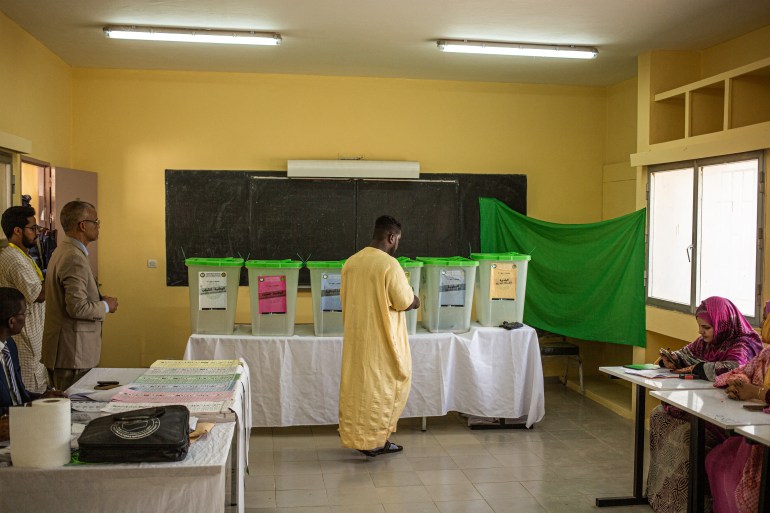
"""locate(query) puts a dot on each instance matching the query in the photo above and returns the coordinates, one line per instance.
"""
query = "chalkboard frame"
(205, 215)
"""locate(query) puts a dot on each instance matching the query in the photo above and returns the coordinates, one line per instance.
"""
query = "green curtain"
(584, 280)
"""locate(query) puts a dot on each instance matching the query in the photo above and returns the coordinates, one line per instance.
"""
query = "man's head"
(19, 226)
(13, 311)
(79, 221)
(387, 234)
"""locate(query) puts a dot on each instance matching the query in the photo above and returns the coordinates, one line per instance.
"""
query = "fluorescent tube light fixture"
(187, 35)
(523, 49)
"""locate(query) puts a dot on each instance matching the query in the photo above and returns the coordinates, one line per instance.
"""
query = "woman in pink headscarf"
(726, 342)
(734, 467)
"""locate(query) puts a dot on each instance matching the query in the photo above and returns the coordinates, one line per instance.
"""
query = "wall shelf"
(734, 99)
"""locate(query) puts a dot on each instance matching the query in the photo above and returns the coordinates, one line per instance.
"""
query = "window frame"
(756, 318)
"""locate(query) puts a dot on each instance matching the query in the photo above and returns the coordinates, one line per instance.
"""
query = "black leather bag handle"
(145, 415)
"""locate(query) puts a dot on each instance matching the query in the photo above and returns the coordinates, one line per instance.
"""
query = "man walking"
(72, 338)
(376, 363)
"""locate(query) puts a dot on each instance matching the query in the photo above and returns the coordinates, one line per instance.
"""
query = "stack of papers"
(203, 386)
(659, 372)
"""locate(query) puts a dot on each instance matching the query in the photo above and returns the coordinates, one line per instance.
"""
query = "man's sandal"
(387, 448)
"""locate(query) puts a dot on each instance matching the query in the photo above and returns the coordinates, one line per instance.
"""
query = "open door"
(68, 185)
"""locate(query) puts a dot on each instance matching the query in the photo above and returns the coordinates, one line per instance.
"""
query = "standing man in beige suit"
(72, 338)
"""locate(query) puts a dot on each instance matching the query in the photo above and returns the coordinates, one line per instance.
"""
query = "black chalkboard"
(264, 215)
(427, 210)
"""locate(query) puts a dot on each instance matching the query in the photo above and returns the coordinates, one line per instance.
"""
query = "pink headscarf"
(734, 338)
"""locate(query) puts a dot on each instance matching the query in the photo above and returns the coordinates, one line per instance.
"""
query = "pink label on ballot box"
(272, 294)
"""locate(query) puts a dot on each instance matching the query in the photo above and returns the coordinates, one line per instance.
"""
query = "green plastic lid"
(324, 264)
(272, 264)
(214, 262)
(512, 255)
(455, 261)
(408, 262)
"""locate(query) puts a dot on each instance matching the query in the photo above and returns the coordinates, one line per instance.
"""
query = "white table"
(761, 434)
(643, 384)
(195, 484)
(715, 407)
(489, 372)
(241, 415)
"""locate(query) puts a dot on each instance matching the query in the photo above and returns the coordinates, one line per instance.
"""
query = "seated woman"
(726, 342)
(734, 467)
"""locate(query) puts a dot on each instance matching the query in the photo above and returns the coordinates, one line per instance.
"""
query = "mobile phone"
(108, 383)
(754, 406)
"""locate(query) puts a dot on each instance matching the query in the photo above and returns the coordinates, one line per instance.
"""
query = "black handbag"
(148, 435)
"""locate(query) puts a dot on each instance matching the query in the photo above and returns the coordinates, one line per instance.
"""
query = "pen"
(687, 376)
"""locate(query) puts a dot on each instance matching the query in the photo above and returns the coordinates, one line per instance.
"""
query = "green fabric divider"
(214, 262)
(288, 264)
(585, 280)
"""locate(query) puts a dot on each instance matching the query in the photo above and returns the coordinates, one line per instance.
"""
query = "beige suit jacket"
(72, 337)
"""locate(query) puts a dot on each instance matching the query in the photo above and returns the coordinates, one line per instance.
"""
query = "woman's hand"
(740, 390)
(667, 363)
(684, 370)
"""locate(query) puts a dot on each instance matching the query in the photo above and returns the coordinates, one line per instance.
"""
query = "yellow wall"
(36, 94)
(663, 70)
(130, 126)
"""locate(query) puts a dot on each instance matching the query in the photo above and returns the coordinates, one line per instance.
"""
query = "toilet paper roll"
(40, 434)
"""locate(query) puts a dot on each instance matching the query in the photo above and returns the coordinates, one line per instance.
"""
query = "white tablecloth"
(241, 407)
(195, 484)
(489, 372)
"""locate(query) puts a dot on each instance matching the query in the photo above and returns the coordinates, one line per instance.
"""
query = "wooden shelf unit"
(733, 99)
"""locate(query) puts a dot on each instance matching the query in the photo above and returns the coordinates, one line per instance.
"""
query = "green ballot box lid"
(214, 262)
(272, 264)
(512, 255)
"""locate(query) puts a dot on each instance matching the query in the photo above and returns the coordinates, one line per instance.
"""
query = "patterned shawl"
(735, 341)
(756, 372)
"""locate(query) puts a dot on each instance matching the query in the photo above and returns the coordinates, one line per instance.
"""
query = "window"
(704, 232)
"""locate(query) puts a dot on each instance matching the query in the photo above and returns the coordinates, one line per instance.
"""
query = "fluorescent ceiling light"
(233, 37)
(525, 49)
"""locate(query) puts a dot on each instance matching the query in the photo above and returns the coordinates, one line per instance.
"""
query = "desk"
(715, 407)
(489, 372)
(640, 415)
(241, 415)
(761, 434)
(195, 484)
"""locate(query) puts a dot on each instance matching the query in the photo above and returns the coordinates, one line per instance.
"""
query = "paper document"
(652, 374)
(207, 407)
(196, 363)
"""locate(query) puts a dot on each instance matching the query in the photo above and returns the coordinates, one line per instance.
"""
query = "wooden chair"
(552, 344)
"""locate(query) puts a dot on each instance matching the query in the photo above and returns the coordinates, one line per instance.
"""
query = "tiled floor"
(578, 452)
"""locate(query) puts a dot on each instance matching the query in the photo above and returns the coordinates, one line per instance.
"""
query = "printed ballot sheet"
(451, 291)
(502, 281)
(330, 292)
(271, 292)
(212, 290)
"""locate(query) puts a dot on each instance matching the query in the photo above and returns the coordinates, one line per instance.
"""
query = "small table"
(642, 384)
(195, 484)
(485, 372)
(715, 407)
(761, 434)
(240, 414)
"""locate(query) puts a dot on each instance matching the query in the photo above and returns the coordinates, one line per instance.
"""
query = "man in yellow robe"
(376, 362)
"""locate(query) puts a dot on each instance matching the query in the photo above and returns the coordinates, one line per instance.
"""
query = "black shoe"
(387, 448)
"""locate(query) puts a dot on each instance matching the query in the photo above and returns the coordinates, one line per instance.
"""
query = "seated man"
(13, 311)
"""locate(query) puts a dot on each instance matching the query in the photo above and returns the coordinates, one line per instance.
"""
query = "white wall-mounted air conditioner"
(353, 169)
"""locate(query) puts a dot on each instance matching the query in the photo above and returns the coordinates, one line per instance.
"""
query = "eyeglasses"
(97, 222)
(35, 228)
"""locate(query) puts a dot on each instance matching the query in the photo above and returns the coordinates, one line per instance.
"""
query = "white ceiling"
(390, 38)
